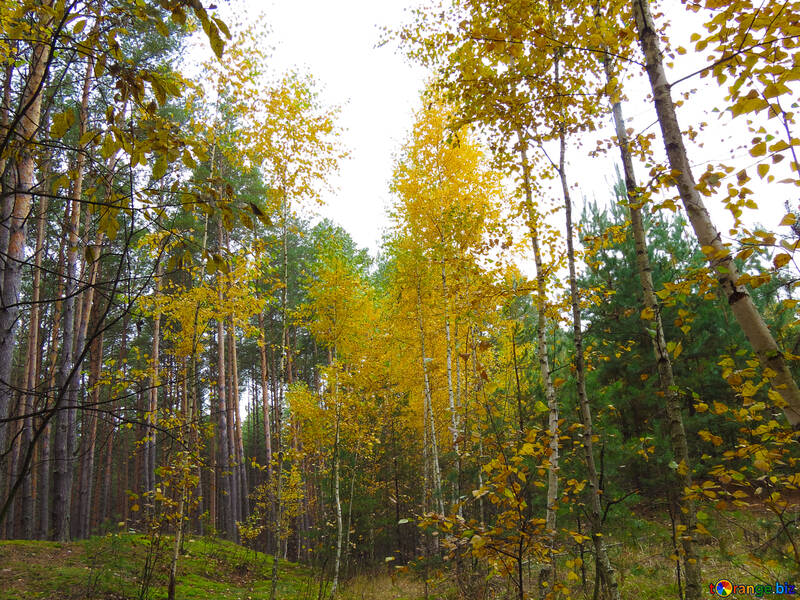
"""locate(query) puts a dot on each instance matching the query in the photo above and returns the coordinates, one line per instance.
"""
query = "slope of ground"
(112, 567)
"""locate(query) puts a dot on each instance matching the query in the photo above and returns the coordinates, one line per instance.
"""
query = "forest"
(532, 390)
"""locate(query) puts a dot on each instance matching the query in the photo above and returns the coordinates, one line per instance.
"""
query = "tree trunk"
(46, 450)
(187, 412)
(350, 512)
(22, 171)
(7, 530)
(719, 257)
(155, 382)
(69, 369)
(33, 367)
(238, 443)
(111, 435)
(606, 571)
(652, 317)
(450, 390)
(232, 453)
(337, 500)
(90, 435)
(435, 470)
(223, 449)
(548, 571)
(265, 396)
(62, 483)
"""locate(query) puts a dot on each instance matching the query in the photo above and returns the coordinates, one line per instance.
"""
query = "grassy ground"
(112, 567)
(746, 548)
(741, 547)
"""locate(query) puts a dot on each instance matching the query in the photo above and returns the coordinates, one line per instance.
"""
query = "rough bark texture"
(89, 438)
(32, 368)
(22, 174)
(680, 448)
(223, 439)
(244, 505)
(235, 474)
(46, 447)
(62, 480)
(75, 326)
(720, 259)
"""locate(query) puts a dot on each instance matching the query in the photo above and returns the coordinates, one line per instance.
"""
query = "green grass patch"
(111, 567)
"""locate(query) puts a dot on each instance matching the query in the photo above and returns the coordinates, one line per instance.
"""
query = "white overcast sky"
(376, 88)
(336, 41)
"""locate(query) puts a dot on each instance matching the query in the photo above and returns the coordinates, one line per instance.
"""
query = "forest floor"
(741, 547)
(112, 567)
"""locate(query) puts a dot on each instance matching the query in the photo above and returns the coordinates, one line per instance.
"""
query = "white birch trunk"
(547, 572)
(719, 256)
(680, 450)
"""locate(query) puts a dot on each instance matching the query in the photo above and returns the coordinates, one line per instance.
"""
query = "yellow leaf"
(788, 220)
(759, 149)
(761, 465)
(781, 260)
(762, 169)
